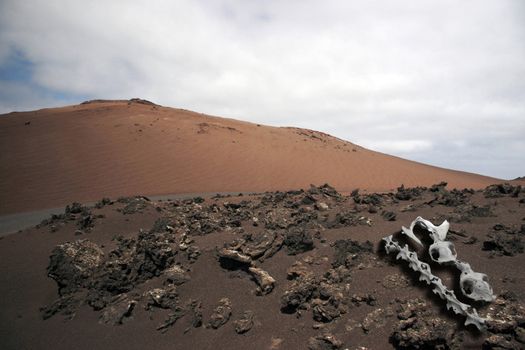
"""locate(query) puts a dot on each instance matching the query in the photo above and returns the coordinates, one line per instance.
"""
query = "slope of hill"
(84, 152)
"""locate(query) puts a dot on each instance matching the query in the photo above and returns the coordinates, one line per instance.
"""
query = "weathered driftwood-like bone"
(474, 285)
(442, 252)
(438, 288)
(438, 233)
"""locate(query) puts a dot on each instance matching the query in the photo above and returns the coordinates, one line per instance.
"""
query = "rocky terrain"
(301, 269)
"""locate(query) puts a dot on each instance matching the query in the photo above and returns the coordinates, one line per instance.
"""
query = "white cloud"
(401, 146)
(439, 74)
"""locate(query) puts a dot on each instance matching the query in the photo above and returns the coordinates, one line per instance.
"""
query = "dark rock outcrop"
(72, 264)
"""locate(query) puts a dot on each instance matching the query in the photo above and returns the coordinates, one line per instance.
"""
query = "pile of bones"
(474, 285)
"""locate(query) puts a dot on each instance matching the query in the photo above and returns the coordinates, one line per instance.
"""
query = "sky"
(440, 82)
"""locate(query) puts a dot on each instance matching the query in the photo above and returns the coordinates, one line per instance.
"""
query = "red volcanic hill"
(101, 149)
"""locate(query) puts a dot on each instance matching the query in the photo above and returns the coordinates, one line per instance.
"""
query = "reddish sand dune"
(112, 148)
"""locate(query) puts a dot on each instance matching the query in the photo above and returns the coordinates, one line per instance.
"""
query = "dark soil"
(301, 269)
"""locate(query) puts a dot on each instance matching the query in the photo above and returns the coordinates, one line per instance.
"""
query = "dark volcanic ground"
(296, 270)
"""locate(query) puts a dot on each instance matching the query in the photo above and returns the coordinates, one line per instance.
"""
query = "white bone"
(411, 234)
(437, 233)
(426, 275)
(474, 285)
(442, 252)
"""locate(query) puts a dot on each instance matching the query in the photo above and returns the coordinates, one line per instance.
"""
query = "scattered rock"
(501, 190)
(221, 314)
(358, 299)
(376, 319)
(133, 204)
(419, 328)
(501, 342)
(338, 275)
(453, 198)
(192, 253)
(298, 269)
(103, 202)
(173, 317)
(196, 312)
(74, 208)
(162, 225)
(506, 324)
(164, 298)
(323, 295)
(405, 194)
(261, 245)
(146, 269)
(119, 310)
(348, 250)
(504, 242)
(83, 267)
(326, 310)
(275, 343)
(144, 258)
(308, 200)
(470, 240)
(298, 240)
(389, 215)
(321, 206)
(373, 199)
(176, 275)
(65, 305)
(409, 208)
(395, 281)
(480, 212)
(464, 213)
(372, 209)
(71, 264)
(299, 294)
(325, 341)
(440, 187)
(83, 216)
(245, 323)
(346, 219)
(329, 191)
(86, 221)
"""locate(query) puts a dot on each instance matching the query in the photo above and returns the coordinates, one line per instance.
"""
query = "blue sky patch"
(16, 68)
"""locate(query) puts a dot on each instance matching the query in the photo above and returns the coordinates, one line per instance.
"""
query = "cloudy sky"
(441, 82)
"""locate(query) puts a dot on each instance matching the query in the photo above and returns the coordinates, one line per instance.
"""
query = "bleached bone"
(474, 285)
(442, 252)
(437, 233)
(438, 288)
(408, 232)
